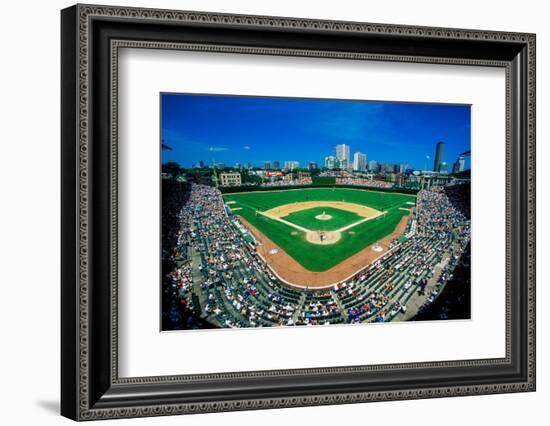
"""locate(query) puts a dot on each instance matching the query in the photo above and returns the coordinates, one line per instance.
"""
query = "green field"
(306, 218)
(312, 256)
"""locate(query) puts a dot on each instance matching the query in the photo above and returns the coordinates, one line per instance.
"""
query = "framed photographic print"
(263, 212)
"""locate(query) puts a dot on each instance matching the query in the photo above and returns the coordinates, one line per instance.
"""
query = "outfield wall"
(323, 180)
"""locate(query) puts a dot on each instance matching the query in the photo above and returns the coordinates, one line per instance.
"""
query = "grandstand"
(214, 269)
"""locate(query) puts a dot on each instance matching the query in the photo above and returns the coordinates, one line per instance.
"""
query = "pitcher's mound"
(323, 216)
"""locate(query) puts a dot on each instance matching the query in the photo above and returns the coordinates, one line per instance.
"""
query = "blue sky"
(232, 129)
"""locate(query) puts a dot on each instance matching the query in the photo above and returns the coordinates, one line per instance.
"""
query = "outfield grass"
(306, 218)
(314, 257)
(266, 200)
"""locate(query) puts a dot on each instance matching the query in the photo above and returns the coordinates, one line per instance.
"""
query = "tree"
(247, 177)
(172, 168)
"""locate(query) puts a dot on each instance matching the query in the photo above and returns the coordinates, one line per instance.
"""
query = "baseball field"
(322, 227)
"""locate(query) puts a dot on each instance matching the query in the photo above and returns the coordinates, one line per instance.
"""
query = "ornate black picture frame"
(91, 387)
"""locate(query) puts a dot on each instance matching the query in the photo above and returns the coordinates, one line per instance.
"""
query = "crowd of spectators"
(319, 308)
(453, 202)
(234, 285)
(222, 279)
(438, 216)
(336, 173)
(384, 289)
(459, 195)
(287, 182)
(175, 195)
(363, 182)
(177, 309)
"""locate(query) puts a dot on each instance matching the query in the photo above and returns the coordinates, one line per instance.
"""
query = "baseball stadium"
(312, 256)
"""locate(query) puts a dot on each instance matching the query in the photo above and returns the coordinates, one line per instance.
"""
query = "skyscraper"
(313, 165)
(342, 155)
(359, 161)
(291, 165)
(276, 164)
(459, 165)
(267, 165)
(439, 148)
(330, 162)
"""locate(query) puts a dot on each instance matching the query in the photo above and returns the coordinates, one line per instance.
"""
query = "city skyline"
(236, 129)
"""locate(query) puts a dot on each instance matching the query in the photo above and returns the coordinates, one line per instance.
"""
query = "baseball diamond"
(288, 220)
